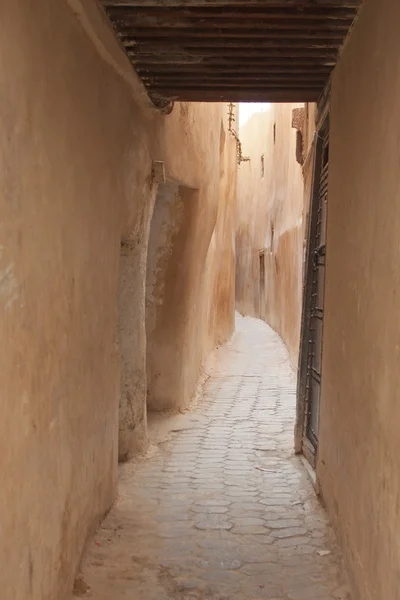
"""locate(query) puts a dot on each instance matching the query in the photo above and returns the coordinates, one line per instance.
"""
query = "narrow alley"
(221, 508)
(166, 166)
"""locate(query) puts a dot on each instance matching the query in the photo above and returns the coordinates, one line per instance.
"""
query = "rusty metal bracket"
(232, 131)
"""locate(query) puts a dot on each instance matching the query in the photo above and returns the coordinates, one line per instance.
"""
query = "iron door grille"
(314, 362)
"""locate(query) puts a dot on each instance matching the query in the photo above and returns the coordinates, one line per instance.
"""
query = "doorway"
(311, 345)
(173, 280)
(132, 434)
(262, 284)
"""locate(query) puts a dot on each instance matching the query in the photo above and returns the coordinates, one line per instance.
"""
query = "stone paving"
(223, 509)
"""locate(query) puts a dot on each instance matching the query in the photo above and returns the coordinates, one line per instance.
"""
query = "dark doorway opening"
(262, 284)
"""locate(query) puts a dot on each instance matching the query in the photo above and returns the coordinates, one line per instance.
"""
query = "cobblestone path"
(223, 510)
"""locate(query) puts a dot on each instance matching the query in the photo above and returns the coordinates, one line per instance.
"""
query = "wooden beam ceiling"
(233, 51)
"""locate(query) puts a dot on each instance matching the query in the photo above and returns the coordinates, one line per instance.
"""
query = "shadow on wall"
(172, 284)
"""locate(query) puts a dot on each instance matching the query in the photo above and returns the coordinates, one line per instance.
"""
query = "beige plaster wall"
(359, 459)
(78, 139)
(190, 275)
(220, 279)
(270, 218)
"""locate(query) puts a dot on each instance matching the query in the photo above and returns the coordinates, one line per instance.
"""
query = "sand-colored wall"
(76, 198)
(190, 273)
(220, 280)
(270, 218)
(359, 459)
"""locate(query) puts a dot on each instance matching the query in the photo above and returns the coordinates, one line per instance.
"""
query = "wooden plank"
(196, 71)
(238, 84)
(210, 45)
(132, 34)
(295, 95)
(256, 87)
(233, 52)
(240, 22)
(242, 62)
(237, 3)
(231, 13)
(248, 86)
(177, 78)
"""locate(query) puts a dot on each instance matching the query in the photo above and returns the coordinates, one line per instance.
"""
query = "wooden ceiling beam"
(132, 34)
(274, 95)
(305, 4)
(233, 50)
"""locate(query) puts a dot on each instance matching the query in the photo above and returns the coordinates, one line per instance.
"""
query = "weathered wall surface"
(270, 219)
(78, 139)
(359, 460)
(220, 278)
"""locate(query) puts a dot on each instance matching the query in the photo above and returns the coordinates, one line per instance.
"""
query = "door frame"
(302, 444)
(261, 263)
